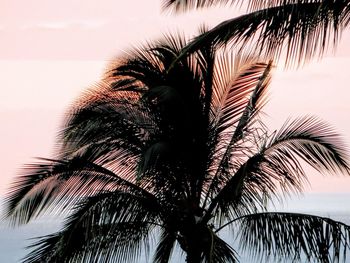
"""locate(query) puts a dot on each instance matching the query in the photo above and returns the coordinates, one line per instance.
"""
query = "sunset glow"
(50, 54)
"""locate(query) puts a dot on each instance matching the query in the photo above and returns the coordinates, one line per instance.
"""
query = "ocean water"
(14, 240)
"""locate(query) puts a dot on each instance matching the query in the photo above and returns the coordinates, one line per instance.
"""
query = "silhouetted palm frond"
(248, 92)
(294, 237)
(277, 166)
(58, 184)
(298, 29)
(165, 246)
(107, 227)
(219, 251)
(313, 141)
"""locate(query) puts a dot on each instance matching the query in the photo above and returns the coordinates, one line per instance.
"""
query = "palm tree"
(160, 155)
(297, 29)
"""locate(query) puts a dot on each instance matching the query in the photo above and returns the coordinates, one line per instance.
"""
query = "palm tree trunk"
(193, 256)
(194, 248)
(194, 242)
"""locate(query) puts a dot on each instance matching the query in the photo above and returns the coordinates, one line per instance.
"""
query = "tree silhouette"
(161, 154)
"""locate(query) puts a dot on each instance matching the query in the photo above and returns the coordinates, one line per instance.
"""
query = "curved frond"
(252, 5)
(277, 166)
(164, 247)
(219, 251)
(104, 117)
(244, 93)
(313, 141)
(105, 246)
(253, 82)
(56, 185)
(148, 66)
(303, 29)
(108, 227)
(291, 236)
(236, 197)
(185, 5)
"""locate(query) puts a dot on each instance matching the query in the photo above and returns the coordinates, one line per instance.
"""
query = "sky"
(52, 50)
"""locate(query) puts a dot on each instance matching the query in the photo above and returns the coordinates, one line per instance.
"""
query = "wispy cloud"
(61, 25)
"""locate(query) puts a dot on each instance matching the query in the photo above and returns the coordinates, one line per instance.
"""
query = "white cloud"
(60, 25)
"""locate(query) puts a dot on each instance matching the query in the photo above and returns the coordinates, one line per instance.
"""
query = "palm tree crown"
(177, 151)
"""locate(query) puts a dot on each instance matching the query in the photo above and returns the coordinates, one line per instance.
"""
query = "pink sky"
(52, 50)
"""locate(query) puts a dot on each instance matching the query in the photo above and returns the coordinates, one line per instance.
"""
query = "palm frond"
(185, 5)
(277, 166)
(165, 246)
(291, 236)
(253, 5)
(303, 29)
(57, 185)
(147, 66)
(107, 244)
(249, 88)
(236, 198)
(232, 97)
(106, 117)
(219, 251)
(313, 141)
(107, 227)
(255, 81)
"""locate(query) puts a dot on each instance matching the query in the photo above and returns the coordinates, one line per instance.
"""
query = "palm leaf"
(108, 244)
(164, 247)
(277, 164)
(236, 198)
(239, 92)
(180, 6)
(57, 185)
(220, 251)
(148, 66)
(291, 236)
(106, 117)
(313, 141)
(107, 227)
(253, 5)
(248, 92)
(303, 29)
